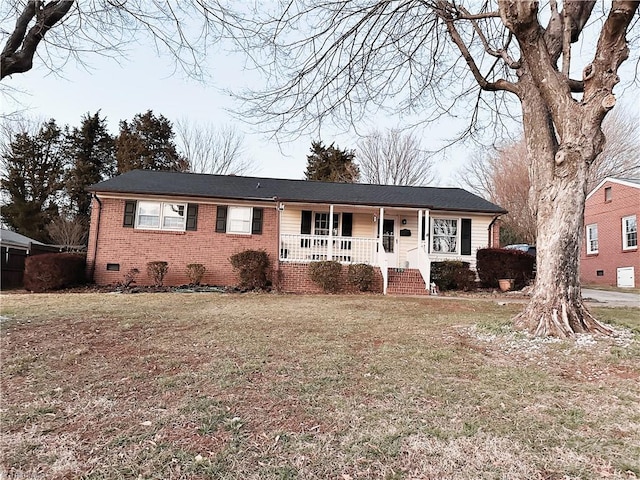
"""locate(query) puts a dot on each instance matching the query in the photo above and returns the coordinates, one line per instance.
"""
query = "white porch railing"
(419, 258)
(310, 248)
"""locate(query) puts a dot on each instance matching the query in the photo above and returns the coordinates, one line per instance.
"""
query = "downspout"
(97, 236)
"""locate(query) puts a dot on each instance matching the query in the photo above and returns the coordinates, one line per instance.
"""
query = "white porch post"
(330, 245)
(381, 230)
(382, 255)
(419, 229)
(427, 241)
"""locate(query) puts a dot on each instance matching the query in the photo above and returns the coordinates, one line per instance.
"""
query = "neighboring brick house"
(184, 218)
(610, 249)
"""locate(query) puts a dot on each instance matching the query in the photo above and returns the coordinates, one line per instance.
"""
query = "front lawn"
(195, 386)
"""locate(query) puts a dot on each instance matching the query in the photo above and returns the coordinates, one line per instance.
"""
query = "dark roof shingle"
(253, 188)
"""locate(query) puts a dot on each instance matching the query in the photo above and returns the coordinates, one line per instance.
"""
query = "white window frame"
(163, 215)
(238, 224)
(592, 239)
(434, 236)
(629, 236)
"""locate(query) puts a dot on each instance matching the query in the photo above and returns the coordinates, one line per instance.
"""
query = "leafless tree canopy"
(68, 232)
(215, 150)
(620, 156)
(57, 31)
(502, 174)
(394, 158)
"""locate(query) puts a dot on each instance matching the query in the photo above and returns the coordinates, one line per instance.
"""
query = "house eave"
(266, 200)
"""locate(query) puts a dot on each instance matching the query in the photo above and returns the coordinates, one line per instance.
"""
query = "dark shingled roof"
(253, 188)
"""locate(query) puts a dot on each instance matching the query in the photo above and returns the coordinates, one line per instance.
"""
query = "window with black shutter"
(129, 214)
(256, 222)
(192, 217)
(465, 236)
(221, 219)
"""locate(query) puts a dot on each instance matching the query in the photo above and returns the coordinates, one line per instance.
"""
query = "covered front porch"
(382, 237)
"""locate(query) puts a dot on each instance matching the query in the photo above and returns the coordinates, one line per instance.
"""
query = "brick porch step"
(406, 281)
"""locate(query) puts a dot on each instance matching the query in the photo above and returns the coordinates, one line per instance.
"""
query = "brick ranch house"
(610, 251)
(184, 218)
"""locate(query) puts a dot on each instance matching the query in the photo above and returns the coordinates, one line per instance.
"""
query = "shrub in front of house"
(53, 271)
(128, 279)
(494, 264)
(453, 275)
(360, 276)
(252, 268)
(157, 271)
(327, 275)
(195, 272)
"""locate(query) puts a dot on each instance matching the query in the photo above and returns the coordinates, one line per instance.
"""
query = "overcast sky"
(145, 81)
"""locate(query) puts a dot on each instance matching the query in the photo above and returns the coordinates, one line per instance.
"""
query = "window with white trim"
(592, 238)
(161, 215)
(444, 234)
(239, 220)
(629, 233)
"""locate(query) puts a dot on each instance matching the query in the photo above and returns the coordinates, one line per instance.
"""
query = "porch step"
(407, 281)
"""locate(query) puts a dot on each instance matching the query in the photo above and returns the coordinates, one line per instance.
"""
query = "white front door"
(390, 240)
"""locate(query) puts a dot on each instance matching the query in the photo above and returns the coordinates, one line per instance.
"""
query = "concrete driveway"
(611, 299)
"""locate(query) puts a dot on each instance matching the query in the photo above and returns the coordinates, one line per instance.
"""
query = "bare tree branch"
(213, 150)
(394, 158)
(17, 56)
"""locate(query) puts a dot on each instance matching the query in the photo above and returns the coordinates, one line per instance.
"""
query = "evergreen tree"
(32, 180)
(147, 143)
(330, 164)
(90, 151)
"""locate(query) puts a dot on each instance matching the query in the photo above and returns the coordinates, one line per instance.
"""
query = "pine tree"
(330, 164)
(90, 151)
(32, 181)
(147, 143)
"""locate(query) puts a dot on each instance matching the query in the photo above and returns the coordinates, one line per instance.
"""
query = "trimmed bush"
(453, 275)
(252, 267)
(496, 263)
(129, 278)
(195, 272)
(157, 271)
(360, 276)
(327, 275)
(52, 271)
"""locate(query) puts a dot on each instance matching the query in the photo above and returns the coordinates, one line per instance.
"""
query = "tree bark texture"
(17, 55)
(563, 137)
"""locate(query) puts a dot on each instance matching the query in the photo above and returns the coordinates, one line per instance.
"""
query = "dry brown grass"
(189, 386)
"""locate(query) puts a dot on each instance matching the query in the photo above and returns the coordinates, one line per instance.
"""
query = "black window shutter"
(256, 223)
(425, 234)
(192, 216)
(305, 226)
(129, 214)
(465, 236)
(221, 219)
(347, 224)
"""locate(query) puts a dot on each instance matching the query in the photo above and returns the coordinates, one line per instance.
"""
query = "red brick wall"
(625, 201)
(132, 248)
(295, 279)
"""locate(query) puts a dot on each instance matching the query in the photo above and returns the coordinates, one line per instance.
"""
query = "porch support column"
(330, 245)
(381, 230)
(419, 229)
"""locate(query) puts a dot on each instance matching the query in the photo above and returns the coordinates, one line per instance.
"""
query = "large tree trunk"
(559, 173)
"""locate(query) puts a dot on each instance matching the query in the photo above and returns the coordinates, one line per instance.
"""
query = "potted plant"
(506, 284)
